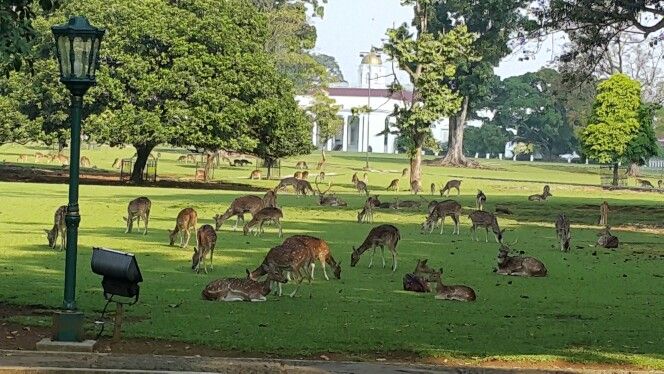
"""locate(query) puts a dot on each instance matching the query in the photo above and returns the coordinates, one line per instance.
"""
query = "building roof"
(372, 58)
(364, 92)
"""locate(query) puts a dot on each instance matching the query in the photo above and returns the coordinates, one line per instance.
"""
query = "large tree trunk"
(142, 154)
(416, 165)
(454, 156)
(634, 170)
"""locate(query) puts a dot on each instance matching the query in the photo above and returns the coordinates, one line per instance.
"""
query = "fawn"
(239, 206)
(366, 214)
(455, 292)
(270, 215)
(59, 229)
(454, 183)
(242, 289)
(487, 220)
(523, 266)
(480, 200)
(137, 209)
(184, 223)
(438, 212)
(563, 232)
(206, 239)
(380, 236)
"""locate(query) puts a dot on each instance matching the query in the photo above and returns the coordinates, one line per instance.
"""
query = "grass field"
(596, 305)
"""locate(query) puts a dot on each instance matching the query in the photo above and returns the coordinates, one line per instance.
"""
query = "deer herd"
(295, 258)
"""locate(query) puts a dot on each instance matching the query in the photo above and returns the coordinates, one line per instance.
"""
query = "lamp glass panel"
(64, 51)
(82, 47)
(95, 51)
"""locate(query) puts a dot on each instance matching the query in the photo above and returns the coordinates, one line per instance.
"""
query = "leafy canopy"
(323, 111)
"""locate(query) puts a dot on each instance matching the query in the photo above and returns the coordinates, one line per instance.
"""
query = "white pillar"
(360, 135)
(477, 155)
(500, 156)
(487, 156)
(532, 158)
(330, 143)
(344, 136)
(314, 135)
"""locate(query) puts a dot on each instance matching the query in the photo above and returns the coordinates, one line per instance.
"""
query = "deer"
(270, 199)
(184, 223)
(415, 186)
(394, 185)
(256, 174)
(604, 214)
(291, 257)
(305, 175)
(563, 232)
(270, 215)
(454, 292)
(64, 160)
(660, 184)
(480, 200)
(181, 159)
(241, 162)
(408, 204)
(302, 165)
(301, 186)
(487, 220)
(321, 163)
(242, 289)
(59, 229)
(321, 176)
(404, 172)
(116, 164)
(523, 266)
(241, 205)
(85, 162)
(433, 189)
(329, 199)
(606, 239)
(366, 214)
(22, 158)
(39, 157)
(380, 236)
(644, 183)
(362, 187)
(137, 209)
(453, 183)
(354, 179)
(445, 208)
(297, 175)
(206, 240)
(319, 250)
(541, 197)
(418, 280)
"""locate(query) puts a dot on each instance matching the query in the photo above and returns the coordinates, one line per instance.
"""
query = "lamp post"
(77, 49)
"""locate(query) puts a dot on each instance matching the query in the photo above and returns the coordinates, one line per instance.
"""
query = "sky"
(353, 26)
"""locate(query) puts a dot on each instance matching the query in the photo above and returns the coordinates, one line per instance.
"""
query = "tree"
(644, 145)
(489, 138)
(330, 63)
(429, 59)
(614, 122)
(323, 112)
(13, 124)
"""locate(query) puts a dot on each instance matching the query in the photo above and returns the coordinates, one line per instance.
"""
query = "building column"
(344, 136)
(314, 135)
(360, 134)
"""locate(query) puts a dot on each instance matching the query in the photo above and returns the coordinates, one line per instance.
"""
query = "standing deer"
(362, 187)
(297, 175)
(137, 209)
(85, 162)
(116, 164)
(269, 215)
(563, 232)
(59, 229)
(206, 239)
(242, 289)
(39, 157)
(319, 250)
(445, 208)
(366, 214)
(433, 189)
(301, 165)
(522, 266)
(404, 172)
(184, 223)
(394, 185)
(321, 163)
(456, 292)
(62, 159)
(270, 199)
(239, 206)
(291, 257)
(415, 186)
(354, 179)
(182, 159)
(480, 200)
(644, 183)
(453, 183)
(256, 174)
(22, 158)
(487, 220)
(301, 186)
(660, 183)
(606, 239)
(604, 214)
(380, 236)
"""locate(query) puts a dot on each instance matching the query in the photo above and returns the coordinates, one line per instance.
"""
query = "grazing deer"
(394, 185)
(433, 189)
(319, 250)
(270, 199)
(85, 162)
(242, 289)
(362, 187)
(302, 165)
(321, 163)
(39, 156)
(415, 187)
(455, 292)
(543, 196)
(522, 266)
(206, 239)
(487, 220)
(256, 174)
(64, 160)
(116, 164)
(366, 214)
(297, 175)
(404, 172)
(184, 223)
(606, 239)
(241, 205)
(644, 183)
(329, 199)
(563, 232)
(137, 209)
(418, 280)
(380, 236)
(181, 159)
(191, 158)
(445, 208)
(291, 257)
(265, 215)
(604, 214)
(454, 183)
(480, 200)
(301, 186)
(22, 158)
(59, 229)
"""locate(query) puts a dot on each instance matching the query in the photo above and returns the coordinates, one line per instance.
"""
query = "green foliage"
(644, 145)
(523, 149)
(13, 124)
(330, 63)
(615, 119)
(486, 139)
(323, 111)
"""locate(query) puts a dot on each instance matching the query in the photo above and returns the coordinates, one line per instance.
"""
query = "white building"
(362, 131)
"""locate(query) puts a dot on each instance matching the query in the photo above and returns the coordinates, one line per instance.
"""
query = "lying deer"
(541, 197)
(394, 185)
(137, 209)
(407, 204)
(256, 174)
(454, 183)
(523, 266)
(265, 215)
(606, 239)
(445, 208)
(270, 199)
(487, 220)
(418, 280)
(59, 229)
(380, 236)
(326, 199)
(291, 257)
(85, 162)
(206, 239)
(563, 232)
(301, 165)
(455, 292)
(242, 289)
(184, 223)
(319, 250)
(480, 200)
(241, 205)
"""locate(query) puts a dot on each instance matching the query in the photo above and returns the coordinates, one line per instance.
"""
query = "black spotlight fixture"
(120, 271)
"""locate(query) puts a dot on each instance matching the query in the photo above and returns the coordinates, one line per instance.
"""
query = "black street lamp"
(77, 48)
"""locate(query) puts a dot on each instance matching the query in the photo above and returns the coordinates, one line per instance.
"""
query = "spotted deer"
(242, 289)
(320, 250)
(452, 292)
(523, 266)
(239, 206)
(291, 257)
(301, 165)
(563, 232)
(270, 199)
(394, 185)
(85, 162)
(487, 220)
(480, 200)
(604, 214)
(453, 183)
(206, 240)
(260, 218)
(137, 209)
(256, 174)
(381, 236)
(184, 223)
(59, 229)
(418, 280)
(606, 239)
(442, 209)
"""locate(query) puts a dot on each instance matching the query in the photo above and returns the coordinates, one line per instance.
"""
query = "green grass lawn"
(596, 305)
